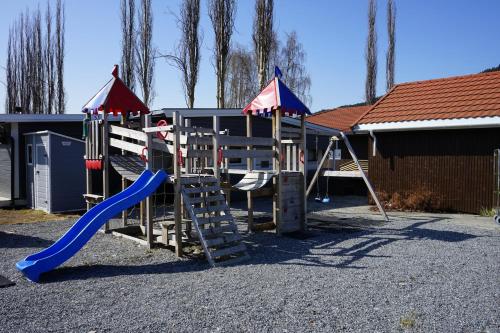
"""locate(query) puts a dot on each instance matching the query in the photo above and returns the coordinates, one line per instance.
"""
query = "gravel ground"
(350, 273)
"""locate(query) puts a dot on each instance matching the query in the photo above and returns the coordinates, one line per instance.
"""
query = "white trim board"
(434, 124)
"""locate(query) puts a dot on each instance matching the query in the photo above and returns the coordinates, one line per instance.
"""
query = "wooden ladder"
(211, 216)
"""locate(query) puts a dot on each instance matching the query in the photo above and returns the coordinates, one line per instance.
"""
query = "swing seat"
(254, 180)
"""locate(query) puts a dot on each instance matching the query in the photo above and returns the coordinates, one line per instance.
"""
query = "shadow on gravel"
(93, 271)
(342, 244)
(11, 240)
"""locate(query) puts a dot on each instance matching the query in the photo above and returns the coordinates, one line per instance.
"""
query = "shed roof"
(342, 118)
(460, 97)
(54, 133)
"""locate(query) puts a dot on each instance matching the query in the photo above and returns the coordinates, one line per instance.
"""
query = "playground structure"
(195, 158)
(190, 160)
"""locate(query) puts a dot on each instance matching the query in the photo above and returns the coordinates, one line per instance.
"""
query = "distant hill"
(492, 69)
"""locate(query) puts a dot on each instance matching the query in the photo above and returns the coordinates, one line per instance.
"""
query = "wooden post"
(177, 186)
(123, 123)
(278, 179)
(105, 162)
(149, 166)
(189, 169)
(249, 168)
(367, 182)
(303, 166)
(142, 220)
(88, 174)
(215, 148)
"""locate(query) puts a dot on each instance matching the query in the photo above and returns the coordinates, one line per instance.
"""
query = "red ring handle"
(219, 156)
(301, 157)
(160, 135)
(180, 161)
(143, 156)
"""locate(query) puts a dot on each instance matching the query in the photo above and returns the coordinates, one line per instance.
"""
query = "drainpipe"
(374, 138)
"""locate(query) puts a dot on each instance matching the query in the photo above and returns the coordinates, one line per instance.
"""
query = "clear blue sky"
(434, 39)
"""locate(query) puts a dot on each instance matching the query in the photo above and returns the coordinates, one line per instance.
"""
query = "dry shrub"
(421, 200)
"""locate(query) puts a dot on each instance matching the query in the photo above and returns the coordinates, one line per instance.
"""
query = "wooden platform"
(128, 166)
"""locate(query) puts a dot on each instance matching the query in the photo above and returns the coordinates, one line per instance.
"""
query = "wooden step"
(190, 180)
(210, 209)
(228, 251)
(218, 230)
(214, 219)
(208, 199)
(223, 240)
(233, 260)
(202, 189)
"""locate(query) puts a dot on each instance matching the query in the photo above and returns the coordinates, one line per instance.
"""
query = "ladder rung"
(197, 180)
(202, 189)
(233, 260)
(218, 230)
(228, 250)
(208, 199)
(222, 240)
(209, 209)
(214, 219)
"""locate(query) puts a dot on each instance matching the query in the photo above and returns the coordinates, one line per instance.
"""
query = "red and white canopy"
(276, 96)
(115, 97)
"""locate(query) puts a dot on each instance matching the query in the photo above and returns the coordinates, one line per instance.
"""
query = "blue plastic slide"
(87, 225)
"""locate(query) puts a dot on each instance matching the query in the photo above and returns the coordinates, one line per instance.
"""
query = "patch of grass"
(408, 321)
(487, 212)
(15, 216)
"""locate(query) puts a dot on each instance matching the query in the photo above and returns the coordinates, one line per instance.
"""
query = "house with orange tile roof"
(437, 138)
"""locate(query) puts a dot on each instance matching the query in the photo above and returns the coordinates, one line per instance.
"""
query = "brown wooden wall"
(456, 165)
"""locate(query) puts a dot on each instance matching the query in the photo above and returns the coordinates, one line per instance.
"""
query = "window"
(29, 153)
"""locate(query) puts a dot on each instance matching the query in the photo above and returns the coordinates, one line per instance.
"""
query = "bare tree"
(293, 68)
(263, 37)
(49, 62)
(241, 78)
(128, 42)
(60, 100)
(187, 56)
(37, 79)
(10, 74)
(222, 13)
(145, 52)
(371, 55)
(391, 33)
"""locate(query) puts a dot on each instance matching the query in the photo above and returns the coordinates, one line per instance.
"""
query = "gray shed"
(55, 172)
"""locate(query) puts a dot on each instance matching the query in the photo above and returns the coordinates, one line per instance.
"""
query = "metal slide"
(87, 225)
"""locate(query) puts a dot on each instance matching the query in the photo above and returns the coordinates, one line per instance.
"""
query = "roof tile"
(470, 96)
(339, 118)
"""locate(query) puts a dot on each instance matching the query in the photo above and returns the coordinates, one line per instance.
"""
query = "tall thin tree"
(371, 55)
(391, 34)
(128, 42)
(145, 52)
(263, 37)
(49, 61)
(59, 58)
(187, 56)
(222, 14)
